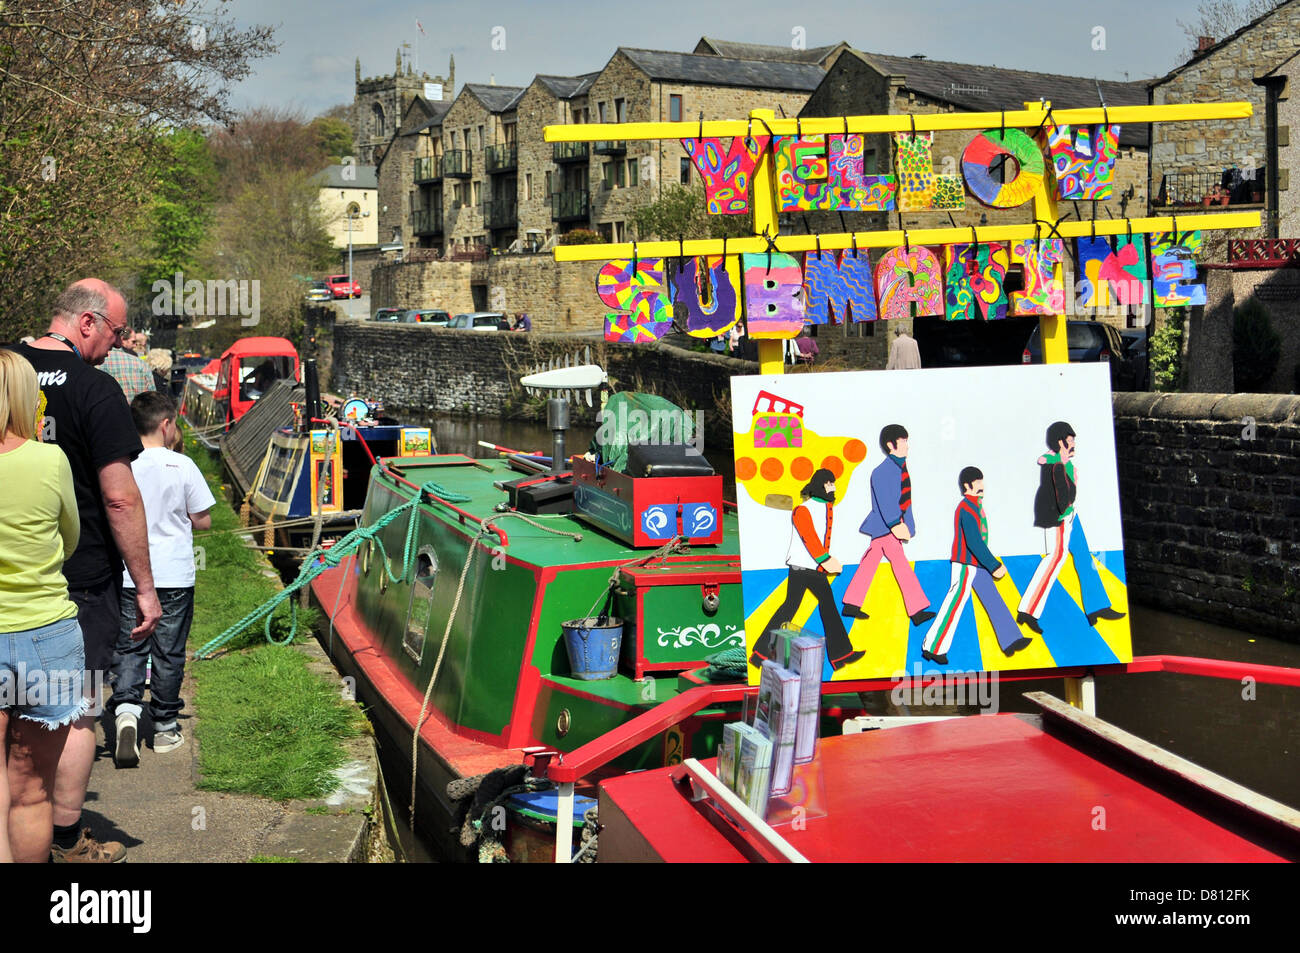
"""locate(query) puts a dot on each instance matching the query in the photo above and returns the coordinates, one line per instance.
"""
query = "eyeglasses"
(117, 331)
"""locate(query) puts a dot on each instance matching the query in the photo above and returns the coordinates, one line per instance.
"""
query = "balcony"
(501, 159)
(500, 213)
(427, 221)
(613, 147)
(571, 151)
(456, 163)
(1212, 189)
(428, 169)
(568, 206)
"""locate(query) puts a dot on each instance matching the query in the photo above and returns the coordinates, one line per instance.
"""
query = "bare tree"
(1218, 19)
(86, 89)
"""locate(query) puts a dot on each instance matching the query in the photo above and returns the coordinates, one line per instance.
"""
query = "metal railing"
(569, 205)
(501, 158)
(1212, 189)
(610, 147)
(426, 221)
(498, 213)
(457, 162)
(428, 169)
(570, 151)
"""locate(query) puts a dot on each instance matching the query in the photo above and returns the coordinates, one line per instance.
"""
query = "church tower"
(380, 102)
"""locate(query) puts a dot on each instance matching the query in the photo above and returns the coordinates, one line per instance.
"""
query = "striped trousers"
(966, 578)
(1066, 537)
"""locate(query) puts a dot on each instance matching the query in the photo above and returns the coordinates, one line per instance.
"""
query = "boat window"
(421, 608)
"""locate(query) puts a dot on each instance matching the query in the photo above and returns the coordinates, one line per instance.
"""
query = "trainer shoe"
(169, 740)
(126, 751)
(88, 851)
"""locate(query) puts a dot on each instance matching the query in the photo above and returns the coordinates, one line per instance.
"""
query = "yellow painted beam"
(1051, 327)
(1027, 118)
(894, 238)
(771, 353)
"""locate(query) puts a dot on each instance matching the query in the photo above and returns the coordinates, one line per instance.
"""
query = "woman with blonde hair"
(41, 652)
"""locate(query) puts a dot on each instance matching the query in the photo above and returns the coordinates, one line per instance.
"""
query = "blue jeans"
(166, 645)
(42, 672)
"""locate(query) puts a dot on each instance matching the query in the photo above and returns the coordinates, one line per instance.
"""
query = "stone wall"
(1225, 74)
(1209, 344)
(1210, 496)
(418, 371)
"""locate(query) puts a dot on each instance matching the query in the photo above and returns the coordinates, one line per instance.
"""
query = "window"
(632, 169)
(420, 609)
(454, 139)
(528, 186)
(674, 109)
(377, 113)
(549, 189)
(457, 195)
(686, 170)
(620, 110)
(600, 112)
(614, 175)
(480, 137)
(478, 192)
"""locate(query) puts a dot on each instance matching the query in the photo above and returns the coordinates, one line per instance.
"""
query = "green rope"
(729, 665)
(330, 559)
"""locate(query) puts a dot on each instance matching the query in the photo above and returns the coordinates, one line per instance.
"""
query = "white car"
(480, 321)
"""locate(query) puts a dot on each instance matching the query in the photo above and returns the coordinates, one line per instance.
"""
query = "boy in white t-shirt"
(176, 502)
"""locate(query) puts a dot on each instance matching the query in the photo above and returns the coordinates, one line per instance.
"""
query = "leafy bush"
(581, 236)
(1256, 347)
(1166, 353)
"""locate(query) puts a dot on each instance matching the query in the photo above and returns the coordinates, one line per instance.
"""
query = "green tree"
(333, 136)
(1166, 354)
(681, 213)
(181, 211)
(1256, 347)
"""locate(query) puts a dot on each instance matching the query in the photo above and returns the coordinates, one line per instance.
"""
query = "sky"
(513, 40)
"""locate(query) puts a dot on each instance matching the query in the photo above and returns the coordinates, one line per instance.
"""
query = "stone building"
(380, 103)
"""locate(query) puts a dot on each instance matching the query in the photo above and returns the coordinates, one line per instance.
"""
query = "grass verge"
(266, 724)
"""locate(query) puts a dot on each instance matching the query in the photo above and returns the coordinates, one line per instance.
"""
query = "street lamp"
(351, 215)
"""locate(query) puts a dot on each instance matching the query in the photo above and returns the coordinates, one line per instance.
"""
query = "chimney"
(1203, 43)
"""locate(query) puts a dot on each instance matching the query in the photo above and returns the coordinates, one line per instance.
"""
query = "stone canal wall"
(418, 371)
(1209, 484)
(1210, 495)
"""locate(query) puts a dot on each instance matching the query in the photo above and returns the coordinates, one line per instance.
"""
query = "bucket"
(593, 648)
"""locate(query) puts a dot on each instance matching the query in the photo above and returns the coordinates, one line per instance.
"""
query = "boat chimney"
(557, 419)
(311, 380)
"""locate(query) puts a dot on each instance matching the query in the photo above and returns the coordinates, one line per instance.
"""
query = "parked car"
(389, 314)
(481, 321)
(1088, 341)
(431, 316)
(341, 287)
(319, 291)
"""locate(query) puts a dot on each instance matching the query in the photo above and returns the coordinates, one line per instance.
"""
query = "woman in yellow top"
(41, 652)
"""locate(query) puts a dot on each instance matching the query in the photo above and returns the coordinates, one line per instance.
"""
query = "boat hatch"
(680, 613)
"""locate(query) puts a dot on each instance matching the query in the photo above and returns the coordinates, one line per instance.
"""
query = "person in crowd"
(903, 353)
(91, 423)
(131, 373)
(523, 323)
(176, 502)
(806, 347)
(160, 363)
(41, 653)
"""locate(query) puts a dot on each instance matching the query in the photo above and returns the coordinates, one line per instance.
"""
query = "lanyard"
(61, 339)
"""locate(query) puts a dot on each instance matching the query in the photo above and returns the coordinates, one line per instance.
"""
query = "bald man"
(89, 418)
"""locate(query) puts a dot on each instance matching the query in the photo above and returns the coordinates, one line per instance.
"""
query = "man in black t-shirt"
(88, 417)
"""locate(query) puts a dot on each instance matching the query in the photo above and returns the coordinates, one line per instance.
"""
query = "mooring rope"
(330, 559)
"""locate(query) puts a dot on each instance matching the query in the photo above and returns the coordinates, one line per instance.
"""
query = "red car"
(341, 287)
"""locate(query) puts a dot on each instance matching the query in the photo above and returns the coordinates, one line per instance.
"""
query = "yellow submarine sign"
(767, 165)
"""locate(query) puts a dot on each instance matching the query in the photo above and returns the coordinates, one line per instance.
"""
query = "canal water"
(1247, 733)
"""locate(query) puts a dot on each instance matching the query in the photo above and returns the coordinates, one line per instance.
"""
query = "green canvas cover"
(631, 417)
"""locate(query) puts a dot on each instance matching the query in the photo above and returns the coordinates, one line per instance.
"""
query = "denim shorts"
(41, 673)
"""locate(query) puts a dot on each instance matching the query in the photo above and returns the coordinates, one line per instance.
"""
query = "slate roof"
(1209, 51)
(331, 177)
(566, 87)
(992, 88)
(423, 114)
(759, 51)
(497, 99)
(708, 70)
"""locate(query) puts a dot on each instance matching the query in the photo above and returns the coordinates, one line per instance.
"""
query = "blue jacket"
(886, 489)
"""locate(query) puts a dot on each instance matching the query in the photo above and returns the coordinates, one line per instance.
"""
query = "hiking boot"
(169, 740)
(88, 851)
(126, 751)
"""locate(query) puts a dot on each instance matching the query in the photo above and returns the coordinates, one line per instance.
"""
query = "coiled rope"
(330, 559)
